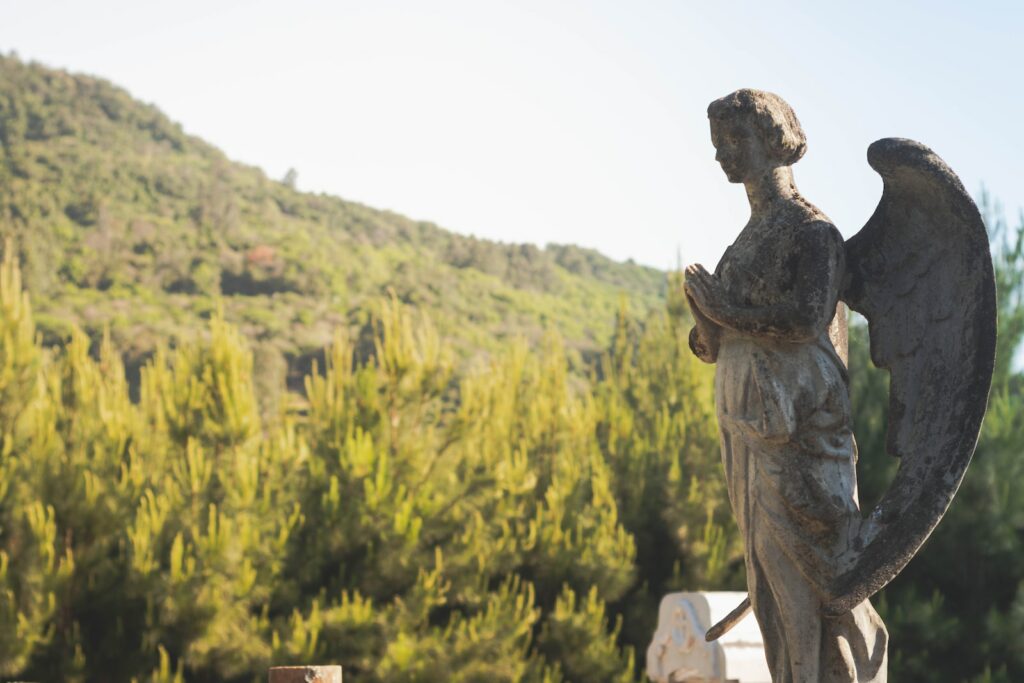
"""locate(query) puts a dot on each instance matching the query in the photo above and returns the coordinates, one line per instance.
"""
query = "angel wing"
(921, 273)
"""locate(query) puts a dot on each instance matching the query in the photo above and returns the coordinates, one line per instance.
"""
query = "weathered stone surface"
(921, 273)
(305, 674)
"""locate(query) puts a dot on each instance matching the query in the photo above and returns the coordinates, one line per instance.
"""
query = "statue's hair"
(770, 115)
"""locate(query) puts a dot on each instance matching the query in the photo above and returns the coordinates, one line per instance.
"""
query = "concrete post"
(305, 674)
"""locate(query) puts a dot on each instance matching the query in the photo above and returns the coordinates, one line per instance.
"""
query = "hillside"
(123, 220)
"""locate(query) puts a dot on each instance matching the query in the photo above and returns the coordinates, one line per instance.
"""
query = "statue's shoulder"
(811, 228)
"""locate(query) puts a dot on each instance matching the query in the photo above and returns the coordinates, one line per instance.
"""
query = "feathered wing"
(921, 273)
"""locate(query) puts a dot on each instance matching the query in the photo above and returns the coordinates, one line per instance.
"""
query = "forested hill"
(122, 219)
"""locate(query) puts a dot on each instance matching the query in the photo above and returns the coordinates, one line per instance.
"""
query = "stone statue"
(921, 273)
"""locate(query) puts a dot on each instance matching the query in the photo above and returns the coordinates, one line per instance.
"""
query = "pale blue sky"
(579, 122)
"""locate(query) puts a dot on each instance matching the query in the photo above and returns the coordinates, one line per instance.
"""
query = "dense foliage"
(493, 462)
(124, 221)
(407, 522)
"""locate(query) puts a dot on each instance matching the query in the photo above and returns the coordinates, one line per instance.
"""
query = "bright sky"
(570, 122)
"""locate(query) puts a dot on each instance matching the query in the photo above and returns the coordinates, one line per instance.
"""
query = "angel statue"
(771, 317)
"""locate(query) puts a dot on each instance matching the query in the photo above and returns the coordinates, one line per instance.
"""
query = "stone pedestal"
(679, 654)
(305, 674)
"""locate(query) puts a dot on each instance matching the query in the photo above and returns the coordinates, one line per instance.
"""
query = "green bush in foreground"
(514, 523)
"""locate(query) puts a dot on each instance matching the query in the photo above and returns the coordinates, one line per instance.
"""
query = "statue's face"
(740, 150)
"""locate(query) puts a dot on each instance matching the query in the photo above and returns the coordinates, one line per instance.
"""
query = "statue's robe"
(790, 457)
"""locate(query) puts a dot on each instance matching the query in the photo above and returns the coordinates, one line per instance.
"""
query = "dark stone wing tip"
(889, 156)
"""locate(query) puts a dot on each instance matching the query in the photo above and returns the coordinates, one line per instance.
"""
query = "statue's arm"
(801, 312)
(705, 335)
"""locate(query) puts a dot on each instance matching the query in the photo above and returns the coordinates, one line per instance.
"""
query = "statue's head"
(754, 131)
